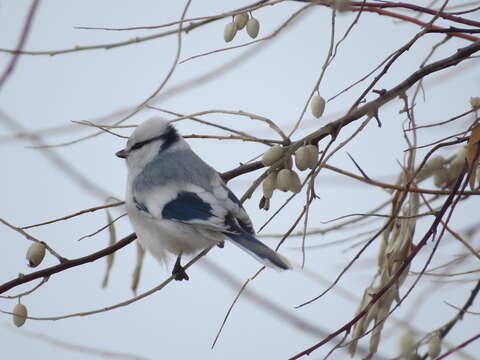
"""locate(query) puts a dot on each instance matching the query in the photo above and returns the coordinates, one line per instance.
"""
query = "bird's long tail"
(258, 250)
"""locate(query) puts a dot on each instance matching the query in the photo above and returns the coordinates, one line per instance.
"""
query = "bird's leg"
(178, 271)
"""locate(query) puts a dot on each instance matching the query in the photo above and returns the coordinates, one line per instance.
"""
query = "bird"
(178, 204)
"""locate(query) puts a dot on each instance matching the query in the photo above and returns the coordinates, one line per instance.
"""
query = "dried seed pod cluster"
(407, 343)
(35, 254)
(431, 167)
(448, 173)
(317, 105)
(396, 246)
(19, 314)
(306, 157)
(239, 22)
(282, 177)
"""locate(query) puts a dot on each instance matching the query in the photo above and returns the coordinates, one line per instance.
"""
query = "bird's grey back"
(175, 167)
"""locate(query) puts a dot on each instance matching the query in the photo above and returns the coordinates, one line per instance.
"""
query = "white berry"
(253, 26)
(317, 105)
(229, 32)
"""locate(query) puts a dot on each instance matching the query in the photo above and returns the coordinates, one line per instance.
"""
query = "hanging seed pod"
(475, 102)
(431, 167)
(317, 105)
(302, 158)
(434, 346)
(253, 26)
(441, 177)
(312, 156)
(406, 343)
(229, 32)
(241, 20)
(457, 164)
(269, 184)
(342, 5)
(19, 314)
(271, 155)
(295, 183)
(284, 179)
(436, 162)
(35, 254)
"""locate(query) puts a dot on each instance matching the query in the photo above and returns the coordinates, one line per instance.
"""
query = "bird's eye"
(140, 144)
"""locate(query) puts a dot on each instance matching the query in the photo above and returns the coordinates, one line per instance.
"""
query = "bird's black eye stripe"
(170, 137)
(138, 145)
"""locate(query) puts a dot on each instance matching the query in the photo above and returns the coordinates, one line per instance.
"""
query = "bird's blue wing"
(237, 210)
(187, 206)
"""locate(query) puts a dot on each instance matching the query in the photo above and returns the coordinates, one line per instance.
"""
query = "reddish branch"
(465, 343)
(379, 9)
(417, 8)
(418, 22)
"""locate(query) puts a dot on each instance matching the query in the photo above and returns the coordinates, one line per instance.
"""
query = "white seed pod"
(253, 26)
(19, 314)
(430, 167)
(436, 162)
(313, 156)
(457, 164)
(302, 158)
(284, 179)
(295, 183)
(434, 346)
(441, 177)
(317, 105)
(475, 102)
(241, 20)
(406, 343)
(271, 155)
(35, 254)
(342, 5)
(229, 32)
(269, 184)
(460, 157)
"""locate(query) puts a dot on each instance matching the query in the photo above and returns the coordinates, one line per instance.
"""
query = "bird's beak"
(122, 154)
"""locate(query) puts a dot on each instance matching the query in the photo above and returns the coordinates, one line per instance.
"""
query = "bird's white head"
(150, 138)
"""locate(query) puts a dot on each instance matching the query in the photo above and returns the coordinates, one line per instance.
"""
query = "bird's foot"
(221, 244)
(178, 271)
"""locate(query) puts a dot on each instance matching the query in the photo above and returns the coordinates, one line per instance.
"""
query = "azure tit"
(178, 204)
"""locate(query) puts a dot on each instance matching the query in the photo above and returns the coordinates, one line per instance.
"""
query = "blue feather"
(257, 249)
(187, 206)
